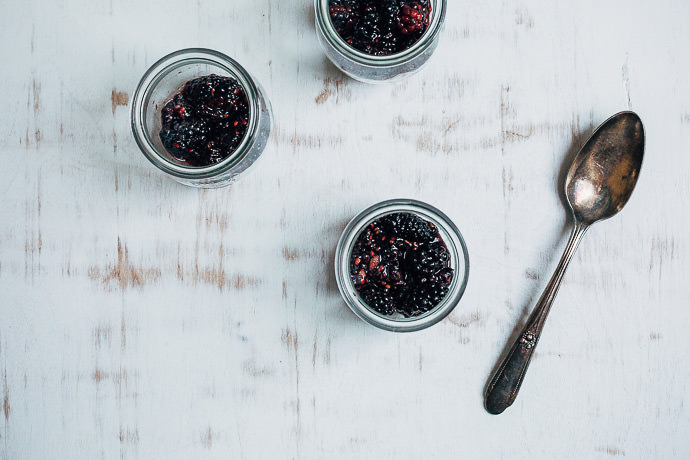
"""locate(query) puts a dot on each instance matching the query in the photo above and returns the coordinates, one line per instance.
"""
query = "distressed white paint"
(217, 331)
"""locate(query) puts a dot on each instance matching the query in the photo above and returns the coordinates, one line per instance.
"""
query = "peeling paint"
(118, 99)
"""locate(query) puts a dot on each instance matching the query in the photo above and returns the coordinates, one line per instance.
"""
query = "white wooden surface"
(140, 319)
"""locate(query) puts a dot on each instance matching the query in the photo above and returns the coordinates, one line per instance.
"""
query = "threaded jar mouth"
(167, 77)
(459, 261)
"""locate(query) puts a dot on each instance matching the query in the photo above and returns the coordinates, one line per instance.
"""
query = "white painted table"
(140, 319)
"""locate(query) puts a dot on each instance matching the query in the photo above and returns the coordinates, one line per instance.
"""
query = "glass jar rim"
(155, 74)
(452, 238)
(348, 51)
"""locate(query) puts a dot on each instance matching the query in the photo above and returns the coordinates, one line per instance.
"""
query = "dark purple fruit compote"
(400, 264)
(205, 122)
(380, 27)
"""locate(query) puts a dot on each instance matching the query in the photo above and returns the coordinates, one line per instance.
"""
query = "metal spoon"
(599, 183)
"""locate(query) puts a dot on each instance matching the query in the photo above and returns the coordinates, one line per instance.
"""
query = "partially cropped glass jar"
(378, 69)
(449, 233)
(166, 78)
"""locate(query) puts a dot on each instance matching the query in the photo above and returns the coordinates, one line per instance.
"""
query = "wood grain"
(141, 319)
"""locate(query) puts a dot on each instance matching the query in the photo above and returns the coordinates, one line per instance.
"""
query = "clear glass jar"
(459, 261)
(167, 77)
(377, 69)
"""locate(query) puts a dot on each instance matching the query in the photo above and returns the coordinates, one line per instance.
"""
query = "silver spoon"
(599, 183)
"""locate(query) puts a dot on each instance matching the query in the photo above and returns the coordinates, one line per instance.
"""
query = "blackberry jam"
(380, 27)
(379, 40)
(401, 265)
(206, 121)
(200, 117)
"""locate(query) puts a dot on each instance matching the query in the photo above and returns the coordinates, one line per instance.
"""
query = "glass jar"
(377, 69)
(166, 78)
(459, 262)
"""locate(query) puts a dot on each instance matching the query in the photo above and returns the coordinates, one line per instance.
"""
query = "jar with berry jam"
(401, 265)
(376, 41)
(200, 117)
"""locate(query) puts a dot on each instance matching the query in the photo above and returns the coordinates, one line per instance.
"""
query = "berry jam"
(400, 264)
(205, 122)
(380, 27)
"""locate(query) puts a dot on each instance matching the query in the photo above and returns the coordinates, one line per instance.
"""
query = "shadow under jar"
(370, 68)
(451, 238)
(164, 80)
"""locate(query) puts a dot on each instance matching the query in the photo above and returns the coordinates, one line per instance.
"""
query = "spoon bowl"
(605, 171)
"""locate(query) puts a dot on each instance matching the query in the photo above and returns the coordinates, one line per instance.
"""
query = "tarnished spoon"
(599, 183)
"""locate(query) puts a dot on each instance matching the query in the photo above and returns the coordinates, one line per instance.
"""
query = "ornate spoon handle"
(505, 384)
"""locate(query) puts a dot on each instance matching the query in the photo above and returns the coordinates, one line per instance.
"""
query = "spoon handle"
(505, 384)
